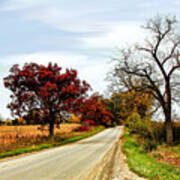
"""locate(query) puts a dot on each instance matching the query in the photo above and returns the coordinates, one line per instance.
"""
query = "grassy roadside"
(45, 146)
(145, 165)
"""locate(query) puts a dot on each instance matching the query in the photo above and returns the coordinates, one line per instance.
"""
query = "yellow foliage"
(21, 120)
(142, 102)
(133, 101)
(75, 118)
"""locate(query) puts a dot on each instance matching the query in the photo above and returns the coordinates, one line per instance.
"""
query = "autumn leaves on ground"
(45, 96)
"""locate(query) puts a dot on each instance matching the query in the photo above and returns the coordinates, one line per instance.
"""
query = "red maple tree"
(94, 109)
(46, 88)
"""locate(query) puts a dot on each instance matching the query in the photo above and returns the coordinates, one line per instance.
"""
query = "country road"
(69, 162)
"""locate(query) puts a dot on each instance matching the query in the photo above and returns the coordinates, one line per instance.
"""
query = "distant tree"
(45, 88)
(1, 120)
(94, 109)
(32, 117)
(123, 104)
(114, 105)
(21, 121)
(156, 63)
(8, 122)
(15, 122)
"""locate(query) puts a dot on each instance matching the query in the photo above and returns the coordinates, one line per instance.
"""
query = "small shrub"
(138, 125)
(114, 124)
(84, 128)
(149, 145)
(132, 122)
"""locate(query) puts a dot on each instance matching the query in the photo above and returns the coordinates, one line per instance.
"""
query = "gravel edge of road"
(112, 166)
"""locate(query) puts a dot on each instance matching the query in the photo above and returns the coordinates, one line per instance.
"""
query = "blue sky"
(82, 34)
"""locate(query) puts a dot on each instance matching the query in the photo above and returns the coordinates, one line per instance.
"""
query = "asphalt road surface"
(69, 162)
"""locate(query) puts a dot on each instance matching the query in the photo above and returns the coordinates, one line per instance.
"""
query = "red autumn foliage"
(93, 109)
(84, 128)
(45, 88)
(86, 124)
(89, 122)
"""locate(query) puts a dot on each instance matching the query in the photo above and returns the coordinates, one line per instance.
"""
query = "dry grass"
(13, 137)
(168, 154)
(34, 129)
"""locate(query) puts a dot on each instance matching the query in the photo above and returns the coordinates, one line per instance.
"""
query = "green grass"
(45, 146)
(145, 165)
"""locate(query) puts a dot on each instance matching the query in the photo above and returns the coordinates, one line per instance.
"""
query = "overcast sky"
(82, 34)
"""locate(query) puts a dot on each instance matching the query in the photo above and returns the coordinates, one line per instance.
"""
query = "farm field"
(14, 137)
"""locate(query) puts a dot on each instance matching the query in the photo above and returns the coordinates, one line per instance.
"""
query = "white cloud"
(72, 20)
(118, 35)
(59, 14)
(91, 70)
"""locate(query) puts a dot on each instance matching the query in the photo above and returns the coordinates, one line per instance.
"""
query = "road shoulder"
(113, 166)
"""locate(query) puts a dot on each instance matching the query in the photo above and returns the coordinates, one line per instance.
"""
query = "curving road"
(69, 162)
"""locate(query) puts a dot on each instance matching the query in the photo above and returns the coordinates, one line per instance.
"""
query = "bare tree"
(156, 64)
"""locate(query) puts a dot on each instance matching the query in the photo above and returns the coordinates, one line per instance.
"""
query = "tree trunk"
(168, 120)
(169, 132)
(51, 128)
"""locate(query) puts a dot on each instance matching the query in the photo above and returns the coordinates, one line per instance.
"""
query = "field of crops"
(13, 137)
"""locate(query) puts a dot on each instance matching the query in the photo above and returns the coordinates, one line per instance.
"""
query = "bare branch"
(172, 70)
(172, 53)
